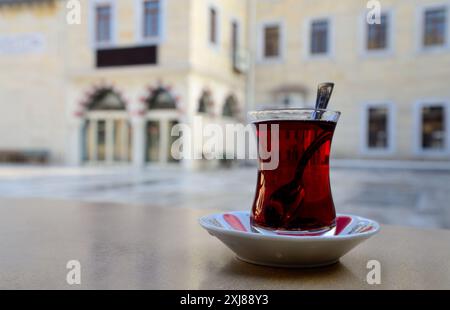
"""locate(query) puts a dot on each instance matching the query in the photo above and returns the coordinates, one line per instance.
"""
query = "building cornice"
(22, 2)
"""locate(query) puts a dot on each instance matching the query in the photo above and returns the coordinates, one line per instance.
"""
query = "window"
(319, 37)
(271, 38)
(291, 100)
(213, 26)
(151, 18)
(230, 108)
(271, 41)
(122, 140)
(105, 99)
(150, 21)
(290, 96)
(234, 43)
(435, 24)
(101, 140)
(159, 141)
(153, 144)
(377, 129)
(206, 104)
(160, 98)
(103, 23)
(377, 34)
(433, 127)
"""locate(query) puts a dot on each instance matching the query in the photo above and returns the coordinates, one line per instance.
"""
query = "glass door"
(101, 140)
(153, 139)
(107, 140)
(159, 141)
(122, 146)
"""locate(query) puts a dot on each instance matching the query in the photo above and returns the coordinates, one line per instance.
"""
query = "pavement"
(411, 197)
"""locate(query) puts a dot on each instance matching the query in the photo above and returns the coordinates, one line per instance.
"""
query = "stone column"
(138, 141)
(75, 147)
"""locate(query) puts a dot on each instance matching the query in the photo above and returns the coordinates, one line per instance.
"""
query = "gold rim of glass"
(300, 114)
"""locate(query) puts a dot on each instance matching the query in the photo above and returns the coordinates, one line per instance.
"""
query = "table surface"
(148, 247)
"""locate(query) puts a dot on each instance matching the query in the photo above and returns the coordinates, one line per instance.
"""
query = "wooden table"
(147, 247)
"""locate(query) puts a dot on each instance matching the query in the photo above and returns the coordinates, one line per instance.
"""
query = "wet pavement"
(391, 196)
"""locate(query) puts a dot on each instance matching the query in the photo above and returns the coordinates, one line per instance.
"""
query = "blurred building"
(110, 89)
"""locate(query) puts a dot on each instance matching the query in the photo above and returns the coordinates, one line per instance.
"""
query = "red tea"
(297, 194)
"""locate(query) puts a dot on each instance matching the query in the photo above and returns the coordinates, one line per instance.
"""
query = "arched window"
(105, 99)
(205, 104)
(230, 108)
(160, 98)
(290, 96)
(107, 137)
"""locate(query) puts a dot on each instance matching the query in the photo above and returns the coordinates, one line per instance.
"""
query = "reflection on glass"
(103, 27)
(151, 18)
(435, 27)
(378, 127)
(101, 140)
(319, 37)
(153, 141)
(433, 128)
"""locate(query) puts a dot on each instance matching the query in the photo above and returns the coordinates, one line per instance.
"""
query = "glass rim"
(290, 114)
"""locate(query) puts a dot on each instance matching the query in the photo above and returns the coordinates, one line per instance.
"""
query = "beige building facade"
(110, 89)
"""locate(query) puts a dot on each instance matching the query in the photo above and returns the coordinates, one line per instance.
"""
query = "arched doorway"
(230, 115)
(290, 96)
(230, 107)
(107, 129)
(206, 103)
(161, 116)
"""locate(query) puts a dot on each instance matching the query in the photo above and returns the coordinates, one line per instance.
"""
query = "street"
(390, 196)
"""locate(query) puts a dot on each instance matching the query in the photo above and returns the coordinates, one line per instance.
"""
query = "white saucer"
(234, 230)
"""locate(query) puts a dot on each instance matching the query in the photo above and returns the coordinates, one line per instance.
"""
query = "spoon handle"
(324, 92)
